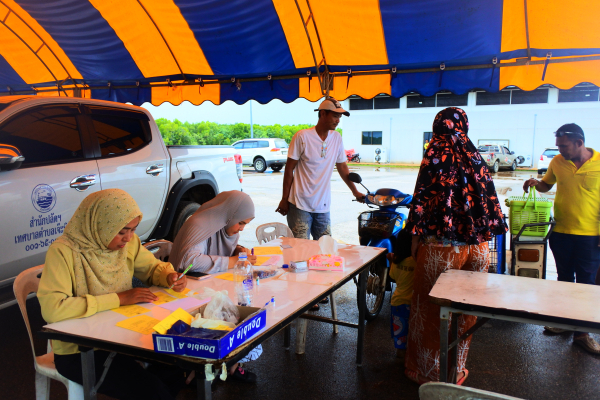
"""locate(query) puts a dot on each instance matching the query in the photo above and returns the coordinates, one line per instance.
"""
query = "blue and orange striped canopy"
(196, 50)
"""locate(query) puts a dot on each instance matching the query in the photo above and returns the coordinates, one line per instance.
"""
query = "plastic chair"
(279, 230)
(160, 248)
(282, 230)
(27, 282)
(448, 391)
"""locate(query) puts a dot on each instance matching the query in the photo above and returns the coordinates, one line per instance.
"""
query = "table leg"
(454, 350)
(444, 344)
(362, 305)
(333, 312)
(88, 371)
(287, 333)
(301, 327)
(203, 386)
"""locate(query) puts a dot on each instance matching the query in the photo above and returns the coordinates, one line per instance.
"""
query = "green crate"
(529, 210)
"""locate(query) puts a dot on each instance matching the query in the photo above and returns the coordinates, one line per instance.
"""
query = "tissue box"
(327, 262)
(213, 348)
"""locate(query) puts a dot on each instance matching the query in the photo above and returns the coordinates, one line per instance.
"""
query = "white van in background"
(263, 153)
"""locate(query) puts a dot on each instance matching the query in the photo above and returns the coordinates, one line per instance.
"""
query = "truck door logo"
(43, 198)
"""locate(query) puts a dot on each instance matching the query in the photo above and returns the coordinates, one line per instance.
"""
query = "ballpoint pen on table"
(182, 274)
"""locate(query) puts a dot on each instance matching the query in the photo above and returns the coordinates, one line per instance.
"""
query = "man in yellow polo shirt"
(575, 241)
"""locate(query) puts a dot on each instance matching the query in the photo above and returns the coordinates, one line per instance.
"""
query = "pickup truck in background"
(54, 151)
(497, 157)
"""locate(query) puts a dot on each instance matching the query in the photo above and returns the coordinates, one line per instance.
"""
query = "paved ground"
(508, 358)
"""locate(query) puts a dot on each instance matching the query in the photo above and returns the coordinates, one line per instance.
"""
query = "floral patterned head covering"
(96, 222)
(455, 198)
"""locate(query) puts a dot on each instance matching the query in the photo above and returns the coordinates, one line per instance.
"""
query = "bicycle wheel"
(375, 293)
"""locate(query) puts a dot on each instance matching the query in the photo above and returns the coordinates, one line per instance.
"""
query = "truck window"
(506, 150)
(44, 135)
(250, 145)
(120, 135)
(263, 143)
(238, 145)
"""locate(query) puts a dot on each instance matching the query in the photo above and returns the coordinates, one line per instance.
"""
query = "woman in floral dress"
(455, 212)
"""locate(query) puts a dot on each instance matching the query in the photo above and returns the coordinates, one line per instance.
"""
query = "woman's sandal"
(415, 377)
(462, 380)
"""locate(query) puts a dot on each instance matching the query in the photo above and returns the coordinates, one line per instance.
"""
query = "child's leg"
(399, 325)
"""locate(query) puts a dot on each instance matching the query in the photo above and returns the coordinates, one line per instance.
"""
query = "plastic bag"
(199, 322)
(220, 307)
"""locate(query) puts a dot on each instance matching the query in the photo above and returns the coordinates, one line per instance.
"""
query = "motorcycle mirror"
(354, 177)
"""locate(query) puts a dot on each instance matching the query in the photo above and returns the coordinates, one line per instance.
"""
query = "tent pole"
(527, 31)
(312, 50)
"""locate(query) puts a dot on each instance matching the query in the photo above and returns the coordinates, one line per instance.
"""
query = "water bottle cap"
(285, 266)
(243, 256)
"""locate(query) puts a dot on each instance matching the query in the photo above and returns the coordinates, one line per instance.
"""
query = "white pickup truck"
(54, 151)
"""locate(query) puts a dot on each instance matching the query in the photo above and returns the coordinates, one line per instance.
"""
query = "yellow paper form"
(262, 251)
(179, 295)
(228, 276)
(130, 311)
(142, 324)
(162, 298)
(260, 260)
(163, 326)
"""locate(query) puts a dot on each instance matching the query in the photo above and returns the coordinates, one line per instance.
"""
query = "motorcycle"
(351, 156)
(380, 228)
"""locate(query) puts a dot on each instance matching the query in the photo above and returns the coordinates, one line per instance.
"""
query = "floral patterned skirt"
(423, 353)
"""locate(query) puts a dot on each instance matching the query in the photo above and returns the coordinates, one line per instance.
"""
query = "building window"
(416, 101)
(386, 102)
(532, 97)
(582, 93)
(438, 100)
(372, 137)
(451, 100)
(361, 104)
(493, 99)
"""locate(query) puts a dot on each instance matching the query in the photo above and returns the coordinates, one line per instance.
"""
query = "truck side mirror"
(354, 177)
(512, 152)
(10, 157)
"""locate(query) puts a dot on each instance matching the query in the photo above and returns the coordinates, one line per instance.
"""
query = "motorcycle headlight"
(382, 200)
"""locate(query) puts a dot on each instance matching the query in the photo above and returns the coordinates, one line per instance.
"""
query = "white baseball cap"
(332, 104)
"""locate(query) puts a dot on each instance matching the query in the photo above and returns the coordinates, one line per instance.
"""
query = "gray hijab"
(211, 221)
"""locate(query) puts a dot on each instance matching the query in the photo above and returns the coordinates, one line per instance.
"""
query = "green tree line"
(211, 133)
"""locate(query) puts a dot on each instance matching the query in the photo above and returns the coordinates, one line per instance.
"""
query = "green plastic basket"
(529, 210)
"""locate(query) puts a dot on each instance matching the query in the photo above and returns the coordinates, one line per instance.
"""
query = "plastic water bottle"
(244, 286)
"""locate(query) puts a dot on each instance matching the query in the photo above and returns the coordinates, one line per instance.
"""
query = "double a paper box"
(213, 348)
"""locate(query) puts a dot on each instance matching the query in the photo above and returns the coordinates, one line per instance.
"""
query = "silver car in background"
(545, 159)
(497, 156)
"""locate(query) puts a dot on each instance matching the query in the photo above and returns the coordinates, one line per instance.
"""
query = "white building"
(526, 120)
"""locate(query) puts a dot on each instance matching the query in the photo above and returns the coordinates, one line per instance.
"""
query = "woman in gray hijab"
(208, 239)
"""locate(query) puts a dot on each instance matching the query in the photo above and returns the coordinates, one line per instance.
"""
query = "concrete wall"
(528, 127)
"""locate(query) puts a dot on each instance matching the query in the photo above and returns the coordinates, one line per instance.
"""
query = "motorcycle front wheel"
(375, 293)
(356, 159)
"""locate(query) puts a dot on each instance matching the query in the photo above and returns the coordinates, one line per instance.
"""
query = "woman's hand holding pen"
(178, 283)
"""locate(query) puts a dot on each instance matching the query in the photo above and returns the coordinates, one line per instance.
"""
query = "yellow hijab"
(98, 219)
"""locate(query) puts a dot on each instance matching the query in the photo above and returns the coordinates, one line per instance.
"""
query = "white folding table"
(294, 294)
(566, 305)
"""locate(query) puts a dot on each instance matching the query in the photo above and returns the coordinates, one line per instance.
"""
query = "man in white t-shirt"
(312, 154)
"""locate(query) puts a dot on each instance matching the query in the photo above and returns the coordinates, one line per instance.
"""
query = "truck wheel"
(260, 165)
(276, 169)
(513, 167)
(185, 209)
(495, 167)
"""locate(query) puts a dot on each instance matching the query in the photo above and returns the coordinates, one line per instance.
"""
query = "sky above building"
(300, 111)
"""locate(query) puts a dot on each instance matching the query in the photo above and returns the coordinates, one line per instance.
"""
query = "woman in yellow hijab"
(89, 269)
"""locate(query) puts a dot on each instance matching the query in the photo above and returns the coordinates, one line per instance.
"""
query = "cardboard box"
(213, 348)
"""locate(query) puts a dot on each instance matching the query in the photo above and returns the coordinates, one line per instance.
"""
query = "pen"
(252, 251)
(182, 274)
